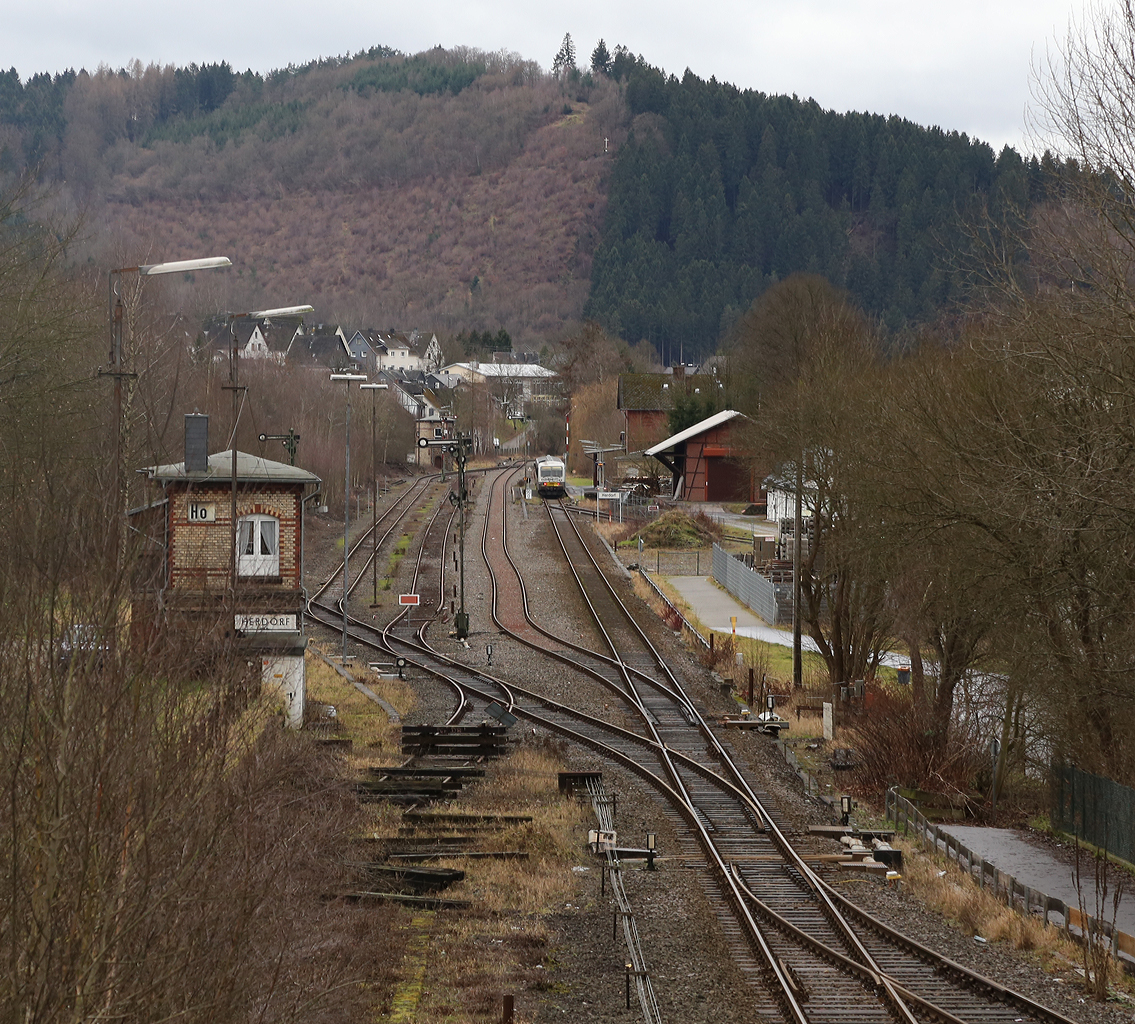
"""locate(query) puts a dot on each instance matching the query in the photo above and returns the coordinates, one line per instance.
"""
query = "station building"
(189, 585)
(706, 465)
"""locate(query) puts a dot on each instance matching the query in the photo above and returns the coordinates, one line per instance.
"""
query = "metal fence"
(750, 588)
(1095, 808)
(677, 563)
(1003, 885)
(686, 624)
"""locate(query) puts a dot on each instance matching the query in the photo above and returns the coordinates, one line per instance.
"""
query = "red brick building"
(193, 589)
(645, 400)
(704, 465)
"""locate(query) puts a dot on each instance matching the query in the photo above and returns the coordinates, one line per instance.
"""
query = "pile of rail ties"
(442, 760)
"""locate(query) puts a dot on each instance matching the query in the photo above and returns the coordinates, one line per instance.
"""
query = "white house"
(512, 385)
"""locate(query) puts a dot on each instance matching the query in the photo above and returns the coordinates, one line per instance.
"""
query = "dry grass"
(945, 887)
(359, 718)
(473, 957)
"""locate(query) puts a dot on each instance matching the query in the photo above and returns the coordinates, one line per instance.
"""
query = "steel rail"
(897, 1004)
(778, 837)
(828, 896)
(690, 815)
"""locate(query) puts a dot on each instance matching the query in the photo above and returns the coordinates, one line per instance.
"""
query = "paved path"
(1008, 850)
(713, 606)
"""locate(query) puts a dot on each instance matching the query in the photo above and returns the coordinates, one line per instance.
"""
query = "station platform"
(715, 606)
(1010, 850)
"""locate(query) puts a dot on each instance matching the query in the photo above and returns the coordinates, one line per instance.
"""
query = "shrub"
(898, 745)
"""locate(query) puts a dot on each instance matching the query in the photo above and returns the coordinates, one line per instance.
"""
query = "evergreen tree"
(730, 191)
(564, 61)
(601, 59)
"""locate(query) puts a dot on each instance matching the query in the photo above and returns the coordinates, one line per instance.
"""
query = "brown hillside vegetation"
(475, 210)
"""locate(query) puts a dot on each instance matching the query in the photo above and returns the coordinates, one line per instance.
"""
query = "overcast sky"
(963, 65)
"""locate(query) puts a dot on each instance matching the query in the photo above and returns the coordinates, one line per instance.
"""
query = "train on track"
(550, 477)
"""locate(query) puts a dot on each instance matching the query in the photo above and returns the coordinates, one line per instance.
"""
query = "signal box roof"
(249, 469)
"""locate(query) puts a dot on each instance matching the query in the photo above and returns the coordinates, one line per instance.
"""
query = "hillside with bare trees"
(452, 189)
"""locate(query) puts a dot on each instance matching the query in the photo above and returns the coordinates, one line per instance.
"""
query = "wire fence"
(1002, 884)
(1094, 808)
(686, 624)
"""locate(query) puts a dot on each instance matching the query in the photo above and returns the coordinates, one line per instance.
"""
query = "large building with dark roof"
(646, 399)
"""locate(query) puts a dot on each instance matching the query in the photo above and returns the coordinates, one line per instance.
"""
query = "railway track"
(812, 956)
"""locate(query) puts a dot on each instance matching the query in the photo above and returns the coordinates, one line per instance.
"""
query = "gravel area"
(694, 975)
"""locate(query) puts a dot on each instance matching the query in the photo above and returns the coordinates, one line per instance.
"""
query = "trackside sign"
(265, 623)
(408, 599)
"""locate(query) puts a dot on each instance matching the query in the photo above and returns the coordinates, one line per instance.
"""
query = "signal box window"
(258, 546)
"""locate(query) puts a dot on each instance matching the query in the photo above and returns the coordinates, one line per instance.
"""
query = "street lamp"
(372, 388)
(116, 310)
(347, 378)
(236, 388)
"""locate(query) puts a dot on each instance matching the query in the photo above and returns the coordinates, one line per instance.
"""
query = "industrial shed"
(704, 465)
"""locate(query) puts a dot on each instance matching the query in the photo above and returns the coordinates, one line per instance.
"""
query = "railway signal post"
(459, 447)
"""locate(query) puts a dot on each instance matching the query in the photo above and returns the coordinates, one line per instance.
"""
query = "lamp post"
(372, 388)
(116, 310)
(347, 378)
(236, 388)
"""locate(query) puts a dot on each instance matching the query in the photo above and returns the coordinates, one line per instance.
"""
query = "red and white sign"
(407, 598)
(653, 508)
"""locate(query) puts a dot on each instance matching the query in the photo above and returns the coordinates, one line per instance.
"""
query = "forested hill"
(449, 190)
(459, 190)
(718, 193)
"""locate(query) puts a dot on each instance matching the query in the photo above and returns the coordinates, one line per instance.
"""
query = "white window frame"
(261, 533)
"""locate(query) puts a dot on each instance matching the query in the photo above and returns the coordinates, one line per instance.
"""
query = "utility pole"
(797, 556)
(460, 450)
(119, 372)
(346, 378)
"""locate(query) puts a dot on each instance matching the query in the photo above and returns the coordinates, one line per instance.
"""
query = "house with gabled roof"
(405, 353)
(419, 394)
(367, 350)
(707, 464)
(280, 335)
(323, 346)
(268, 340)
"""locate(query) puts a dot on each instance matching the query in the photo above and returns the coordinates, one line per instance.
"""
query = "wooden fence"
(1003, 885)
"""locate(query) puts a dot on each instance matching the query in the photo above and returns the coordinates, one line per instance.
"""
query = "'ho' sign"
(202, 512)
